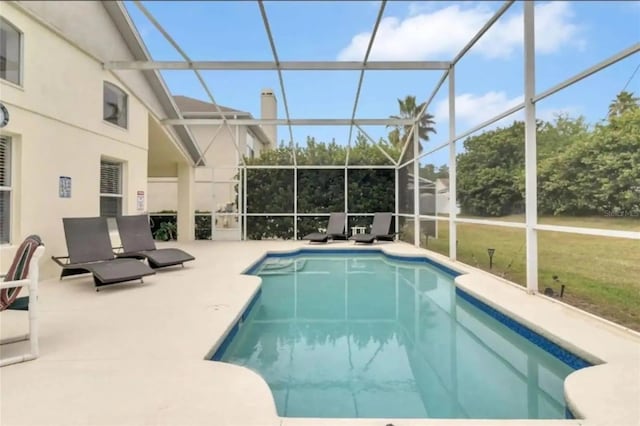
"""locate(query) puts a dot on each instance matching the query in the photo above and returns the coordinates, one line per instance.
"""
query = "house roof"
(191, 106)
(130, 35)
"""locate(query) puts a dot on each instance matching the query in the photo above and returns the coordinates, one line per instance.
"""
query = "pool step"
(279, 266)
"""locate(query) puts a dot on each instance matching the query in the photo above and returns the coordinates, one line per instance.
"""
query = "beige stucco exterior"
(214, 186)
(222, 161)
(56, 125)
(217, 184)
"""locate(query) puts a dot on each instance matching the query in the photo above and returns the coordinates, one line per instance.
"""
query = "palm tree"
(624, 101)
(409, 109)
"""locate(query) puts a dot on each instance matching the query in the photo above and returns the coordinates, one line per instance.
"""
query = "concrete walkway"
(134, 354)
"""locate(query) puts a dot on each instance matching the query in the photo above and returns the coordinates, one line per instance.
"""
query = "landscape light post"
(491, 251)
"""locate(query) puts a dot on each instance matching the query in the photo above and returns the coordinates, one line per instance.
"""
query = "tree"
(397, 137)
(429, 171)
(490, 170)
(598, 173)
(319, 190)
(624, 101)
(409, 109)
(581, 171)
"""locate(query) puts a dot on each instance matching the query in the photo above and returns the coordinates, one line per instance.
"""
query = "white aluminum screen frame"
(531, 225)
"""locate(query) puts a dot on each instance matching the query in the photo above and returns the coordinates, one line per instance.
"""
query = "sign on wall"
(140, 201)
(64, 187)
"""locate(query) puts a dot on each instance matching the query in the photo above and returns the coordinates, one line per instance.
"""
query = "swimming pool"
(362, 335)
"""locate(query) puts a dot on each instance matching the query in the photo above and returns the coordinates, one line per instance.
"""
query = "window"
(5, 190)
(250, 146)
(110, 188)
(10, 52)
(115, 106)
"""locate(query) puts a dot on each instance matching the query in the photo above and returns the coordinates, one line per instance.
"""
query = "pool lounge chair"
(335, 230)
(90, 251)
(23, 272)
(137, 242)
(379, 230)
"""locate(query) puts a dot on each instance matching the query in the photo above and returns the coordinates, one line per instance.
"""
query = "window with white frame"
(110, 188)
(5, 190)
(10, 52)
(115, 105)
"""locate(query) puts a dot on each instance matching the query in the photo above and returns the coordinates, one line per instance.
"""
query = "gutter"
(130, 35)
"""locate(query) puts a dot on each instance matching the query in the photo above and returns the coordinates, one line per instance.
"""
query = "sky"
(571, 36)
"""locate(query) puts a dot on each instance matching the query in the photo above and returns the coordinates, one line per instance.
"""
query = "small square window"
(115, 105)
(10, 52)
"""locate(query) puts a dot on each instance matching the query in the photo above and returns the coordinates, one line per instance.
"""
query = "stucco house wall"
(217, 184)
(57, 128)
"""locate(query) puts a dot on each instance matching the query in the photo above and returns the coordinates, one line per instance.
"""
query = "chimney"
(269, 110)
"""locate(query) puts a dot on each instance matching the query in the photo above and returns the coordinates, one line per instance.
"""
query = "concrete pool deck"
(133, 354)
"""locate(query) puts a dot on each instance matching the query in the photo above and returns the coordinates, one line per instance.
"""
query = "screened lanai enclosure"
(506, 154)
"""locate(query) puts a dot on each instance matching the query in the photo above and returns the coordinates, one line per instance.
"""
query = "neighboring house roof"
(130, 35)
(191, 107)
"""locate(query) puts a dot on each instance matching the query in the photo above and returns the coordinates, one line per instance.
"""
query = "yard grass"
(601, 274)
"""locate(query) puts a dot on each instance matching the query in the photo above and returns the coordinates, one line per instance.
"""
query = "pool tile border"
(374, 251)
(220, 350)
(569, 358)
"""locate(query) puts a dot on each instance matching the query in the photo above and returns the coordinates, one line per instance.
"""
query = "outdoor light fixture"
(549, 291)
(557, 280)
(491, 251)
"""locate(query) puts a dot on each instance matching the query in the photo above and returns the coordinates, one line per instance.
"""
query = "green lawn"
(601, 274)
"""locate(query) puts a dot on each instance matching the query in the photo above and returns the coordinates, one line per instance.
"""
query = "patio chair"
(379, 230)
(137, 242)
(335, 230)
(89, 248)
(23, 272)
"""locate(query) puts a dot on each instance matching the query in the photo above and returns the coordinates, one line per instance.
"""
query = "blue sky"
(571, 36)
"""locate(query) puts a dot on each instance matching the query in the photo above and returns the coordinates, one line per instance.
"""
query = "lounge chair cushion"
(90, 251)
(166, 257)
(379, 230)
(137, 242)
(317, 237)
(363, 238)
(87, 239)
(135, 233)
(119, 270)
(335, 230)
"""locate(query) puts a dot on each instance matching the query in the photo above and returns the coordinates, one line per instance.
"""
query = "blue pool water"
(354, 335)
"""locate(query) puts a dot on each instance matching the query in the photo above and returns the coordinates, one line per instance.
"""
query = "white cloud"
(422, 6)
(440, 34)
(555, 27)
(418, 7)
(474, 109)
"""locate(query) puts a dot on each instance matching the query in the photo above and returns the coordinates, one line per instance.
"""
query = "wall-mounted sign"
(64, 187)
(140, 201)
